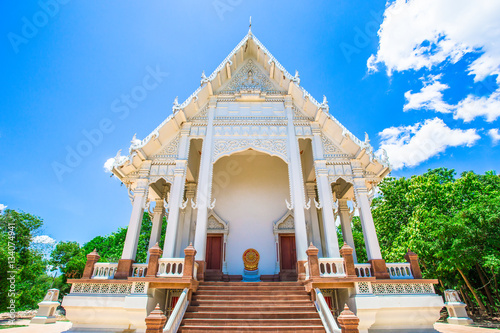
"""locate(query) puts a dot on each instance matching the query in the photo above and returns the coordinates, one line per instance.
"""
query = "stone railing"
(363, 270)
(170, 267)
(104, 270)
(331, 267)
(174, 321)
(325, 313)
(139, 270)
(399, 270)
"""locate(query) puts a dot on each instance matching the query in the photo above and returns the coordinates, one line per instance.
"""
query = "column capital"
(144, 169)
(311, 189)
(190, 190)
(316, 130)
(343, 205)
(186, 129)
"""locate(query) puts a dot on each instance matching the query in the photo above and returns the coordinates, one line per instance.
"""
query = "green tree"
(31, 279)
(453, 224)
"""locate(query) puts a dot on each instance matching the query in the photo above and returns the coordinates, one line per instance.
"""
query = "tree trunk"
(471, 309)
(486, 288)
(482, 308)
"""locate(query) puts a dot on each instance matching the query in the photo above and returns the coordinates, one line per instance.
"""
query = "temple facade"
(252, 161)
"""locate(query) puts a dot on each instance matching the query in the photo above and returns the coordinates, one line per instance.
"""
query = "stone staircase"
(251, 307)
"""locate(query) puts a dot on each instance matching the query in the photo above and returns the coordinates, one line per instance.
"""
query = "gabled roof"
(249, 47)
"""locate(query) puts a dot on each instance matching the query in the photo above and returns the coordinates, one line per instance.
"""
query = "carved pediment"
(216, 224)
(248, 78)
(169, 150)
(285, 225)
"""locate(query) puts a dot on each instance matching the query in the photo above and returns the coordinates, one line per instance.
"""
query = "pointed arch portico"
(251, 103)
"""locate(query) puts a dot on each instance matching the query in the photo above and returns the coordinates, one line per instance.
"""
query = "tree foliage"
(17, 231)
(452, 223)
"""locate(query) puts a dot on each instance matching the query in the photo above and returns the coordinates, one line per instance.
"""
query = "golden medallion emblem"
(251, 259)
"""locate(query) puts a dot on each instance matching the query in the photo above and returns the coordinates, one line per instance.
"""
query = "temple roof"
(216, 85)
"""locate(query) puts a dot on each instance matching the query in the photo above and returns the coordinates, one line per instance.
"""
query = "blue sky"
(420, 77)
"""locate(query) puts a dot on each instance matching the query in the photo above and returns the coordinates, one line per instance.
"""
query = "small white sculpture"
(47, 308)
(456, 308)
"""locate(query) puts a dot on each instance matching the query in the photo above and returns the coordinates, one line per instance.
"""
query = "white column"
(176, 194)
(184, 234)
(313, 217)
(134, 225)
(296, 185)
(345, 222)
(365, 213)
(158, 213)
(325, 197)
(203, 195)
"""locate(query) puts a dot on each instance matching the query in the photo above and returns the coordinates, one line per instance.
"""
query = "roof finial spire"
(250, 26)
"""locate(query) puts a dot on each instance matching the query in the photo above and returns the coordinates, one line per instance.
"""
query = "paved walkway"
(447, 328)
(57, 327)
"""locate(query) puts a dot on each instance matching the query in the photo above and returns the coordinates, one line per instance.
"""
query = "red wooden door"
(214, 252)
(288, 257)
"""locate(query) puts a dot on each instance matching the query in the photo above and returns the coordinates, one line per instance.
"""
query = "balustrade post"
(312, 260)
(189, 262)
(347, 254)
(92, 258)
(155, 321)
(154, 255)
(348, 321)
(412, 258)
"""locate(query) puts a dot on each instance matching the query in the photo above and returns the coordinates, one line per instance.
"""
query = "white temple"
(252, 161)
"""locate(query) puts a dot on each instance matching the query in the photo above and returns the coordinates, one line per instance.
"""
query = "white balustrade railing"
(104, 270)
(139, 270)
(306, 268)
(325, 313)
(170, 267)
(331, 267)
(399, 270)
(363, 270)
(177, 314)
(195, 271)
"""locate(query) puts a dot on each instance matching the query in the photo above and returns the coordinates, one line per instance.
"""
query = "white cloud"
(2, 207)
(411, 145)
(418, 34)
(473, 106)
(108, 165)
(424, 33)
(44, 239)
(429, 97)
(494, 135)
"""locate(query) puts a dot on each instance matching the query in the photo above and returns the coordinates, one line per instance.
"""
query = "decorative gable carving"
(169, 151)
(248, 78)
(330, 149)
(285, 225)
(216, 224)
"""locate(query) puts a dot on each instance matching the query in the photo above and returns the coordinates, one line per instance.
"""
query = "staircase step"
(251, 322)
(260, 307)
(251, 315)
(285, 297)
(245, 303)
(250, 292)
(201, 329)
(251, 306)
(252, 284)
